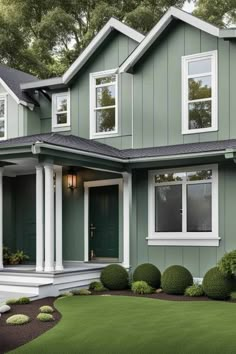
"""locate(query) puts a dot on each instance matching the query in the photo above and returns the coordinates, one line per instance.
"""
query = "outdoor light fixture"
(72, 180)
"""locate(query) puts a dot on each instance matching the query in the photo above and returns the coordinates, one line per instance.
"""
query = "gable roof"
(111, 25)
(11, 79)
(172, 14)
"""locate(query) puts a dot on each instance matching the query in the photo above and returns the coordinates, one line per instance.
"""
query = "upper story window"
(60, 111)
(199, 93)
(3, 117)
(103, 104)
(183, 206)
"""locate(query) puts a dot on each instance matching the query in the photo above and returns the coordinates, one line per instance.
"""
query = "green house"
(129, 157)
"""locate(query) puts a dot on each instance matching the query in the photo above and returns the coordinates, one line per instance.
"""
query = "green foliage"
(46, 309)
(141, 287)
(149, 273)
(194, 290)
(11, 301)
(45, 37)
(23, 301)
(233, 295)
(67, 293)
(18, 257)
(18, 320)
(227, 264)
(115, 277)
(97, 286)
(217, 285)
(6, 255)
(81, 292)
(45, 317)
(176, 279)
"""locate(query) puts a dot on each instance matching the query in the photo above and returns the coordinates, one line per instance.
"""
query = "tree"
(221, 13)
(44, 37)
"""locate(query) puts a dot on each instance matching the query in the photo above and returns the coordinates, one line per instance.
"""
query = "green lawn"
(115, 324)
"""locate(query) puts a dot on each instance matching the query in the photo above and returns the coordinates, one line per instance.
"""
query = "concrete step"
(22, 287)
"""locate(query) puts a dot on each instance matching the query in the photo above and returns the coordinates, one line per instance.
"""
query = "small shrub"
(67, 293)
(233, 295)
(46, 309)
(11, 301)
(216, 285)
(115, 277)
(148, 273)
(45, 317)
(18, 319)
(227, 264)
(176, 279)
(141, 287)
(194, 290)
(23, 301)
(97, 286)
(81, 292)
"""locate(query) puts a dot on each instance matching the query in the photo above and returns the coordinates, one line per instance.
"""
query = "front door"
(103, 222)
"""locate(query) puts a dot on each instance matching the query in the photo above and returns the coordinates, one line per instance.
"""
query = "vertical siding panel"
(123, 49)
(232, 81)
(148, 103)
(230, 201)
(156, 255)
(111, 56)
(191, 260)
(131, 45)
(223, 88)
(133, 238)
(175, 52)
(125, 104)
(160, 96)
(222, 225)
(138, 110)
(192, 41)
(126, 142)
(208, 259)
(174, 255)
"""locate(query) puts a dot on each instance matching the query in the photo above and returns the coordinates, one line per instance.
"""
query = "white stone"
(4, 308)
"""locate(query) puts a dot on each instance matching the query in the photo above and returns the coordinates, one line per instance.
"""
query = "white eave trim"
(41, 83)
(171, 14)
(96, 42)
(13, 95)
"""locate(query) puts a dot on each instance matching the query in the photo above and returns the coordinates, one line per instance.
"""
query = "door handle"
(92, 229)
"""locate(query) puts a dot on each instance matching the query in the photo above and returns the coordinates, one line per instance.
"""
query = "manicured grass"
(117, 324)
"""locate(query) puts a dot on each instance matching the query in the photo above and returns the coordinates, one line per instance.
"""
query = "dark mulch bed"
(160, 296)
(12, 337)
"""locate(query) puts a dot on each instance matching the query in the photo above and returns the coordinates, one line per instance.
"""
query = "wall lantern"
(72, 180)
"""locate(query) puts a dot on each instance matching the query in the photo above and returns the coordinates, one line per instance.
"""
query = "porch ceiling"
(20, 166)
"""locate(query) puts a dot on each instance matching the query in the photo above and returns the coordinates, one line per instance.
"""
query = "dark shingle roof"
(91, 146)
(13, 78)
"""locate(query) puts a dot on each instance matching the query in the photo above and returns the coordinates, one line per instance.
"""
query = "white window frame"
(65, 126)
(93, 77)
(4, 97)
(214, 95)
(183, 238)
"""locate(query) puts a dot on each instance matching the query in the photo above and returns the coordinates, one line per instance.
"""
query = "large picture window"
(103, 102)
(199, 92)
(183, 206)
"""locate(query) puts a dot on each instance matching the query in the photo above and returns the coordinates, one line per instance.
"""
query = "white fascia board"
(171, 14)
(96, 42)
(41, 83)
(13, 95)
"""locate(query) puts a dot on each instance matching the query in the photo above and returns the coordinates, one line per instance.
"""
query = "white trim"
(214, 92)
(13, 95)
(39, 219)
(123, 185)
(60, 127)
(183, 238)
(59, 219)
(92, 95)
(3, 96)
(170, 15)
(97, 41)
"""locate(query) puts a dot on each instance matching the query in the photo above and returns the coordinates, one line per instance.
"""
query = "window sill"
(61, 129)
(103, 136)
(198, 131)
(202, 240)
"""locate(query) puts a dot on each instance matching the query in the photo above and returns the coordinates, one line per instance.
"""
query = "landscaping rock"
(4, 308)
(158, 291)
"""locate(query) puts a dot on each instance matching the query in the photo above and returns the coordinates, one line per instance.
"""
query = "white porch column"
(59, 254)
(39, 219)
(127, 200)
(1, 217)
(49, 218)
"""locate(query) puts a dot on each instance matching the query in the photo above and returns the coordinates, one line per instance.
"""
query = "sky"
(188, 6)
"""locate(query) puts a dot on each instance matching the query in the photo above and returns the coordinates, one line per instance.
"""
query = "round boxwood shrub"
(45, 317)
(141, 287)
(18, 319)
(216, 285)
(176, 279)
(148, 273)
(115, 277)
(46, 309)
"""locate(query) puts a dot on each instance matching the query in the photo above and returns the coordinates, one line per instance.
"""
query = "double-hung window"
(199, 93)
(183, 207)
(61, 111)
(103, 104)
(3, 117)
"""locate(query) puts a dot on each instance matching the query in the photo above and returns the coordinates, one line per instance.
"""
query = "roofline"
(170, 15)
(41, 83)
(13, 95)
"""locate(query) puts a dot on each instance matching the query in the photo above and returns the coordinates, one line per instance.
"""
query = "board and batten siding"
(197, 259)
(109, 56)
(157, 88)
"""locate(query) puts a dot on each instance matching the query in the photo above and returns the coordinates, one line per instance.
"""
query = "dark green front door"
(103, 222)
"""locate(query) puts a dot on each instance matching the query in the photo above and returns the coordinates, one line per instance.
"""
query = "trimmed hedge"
(115, 277)
(149, 273)
(176, 279)
(216, 285)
